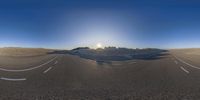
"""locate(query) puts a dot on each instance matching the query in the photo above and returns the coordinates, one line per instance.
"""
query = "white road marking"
(175, 62)
(185, 70)
(186, 63)
(13, 79)
(56, 62)
(47, 70)
(28, 69)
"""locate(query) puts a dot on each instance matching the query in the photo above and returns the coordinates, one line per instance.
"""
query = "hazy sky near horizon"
(122, 23)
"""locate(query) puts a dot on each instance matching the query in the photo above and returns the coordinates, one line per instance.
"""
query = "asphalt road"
(65, 77)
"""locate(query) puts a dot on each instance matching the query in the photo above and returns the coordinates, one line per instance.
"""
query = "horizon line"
(95, 48)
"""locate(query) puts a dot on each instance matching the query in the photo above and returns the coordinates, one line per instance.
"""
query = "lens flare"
(99, 45)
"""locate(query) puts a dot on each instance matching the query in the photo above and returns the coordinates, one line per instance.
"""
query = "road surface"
(65, 77)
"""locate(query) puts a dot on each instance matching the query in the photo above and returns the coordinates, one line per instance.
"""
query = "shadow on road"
(59, 52)
(157, 56)
(107, 59)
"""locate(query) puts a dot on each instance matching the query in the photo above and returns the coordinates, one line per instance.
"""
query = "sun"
(99, 45)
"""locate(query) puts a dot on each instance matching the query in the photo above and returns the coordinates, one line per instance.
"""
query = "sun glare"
(99, 45)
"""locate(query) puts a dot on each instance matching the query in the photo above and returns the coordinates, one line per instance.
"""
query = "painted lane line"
(56, 62)
(47, 70)
(175, 62)
(13, 79)
(185, 70)
(186, 63)
(28, 69)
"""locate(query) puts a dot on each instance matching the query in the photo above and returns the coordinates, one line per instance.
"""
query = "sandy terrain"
(23, 51)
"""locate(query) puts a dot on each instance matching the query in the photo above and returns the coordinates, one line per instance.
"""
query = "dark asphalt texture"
(74, 78)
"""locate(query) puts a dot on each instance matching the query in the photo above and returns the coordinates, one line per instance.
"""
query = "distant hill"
(16, 51)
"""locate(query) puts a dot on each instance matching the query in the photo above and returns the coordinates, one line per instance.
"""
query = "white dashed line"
(185, 70)
(56, 62)
(47, 70)
(28, 69)
(13, 79)
(186, 63)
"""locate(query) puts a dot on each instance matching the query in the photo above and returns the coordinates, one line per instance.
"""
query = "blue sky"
(66, 24)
